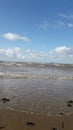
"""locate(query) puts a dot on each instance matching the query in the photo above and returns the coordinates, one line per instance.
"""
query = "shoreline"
(19, 76)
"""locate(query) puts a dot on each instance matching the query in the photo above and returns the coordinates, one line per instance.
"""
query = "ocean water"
(65, 72)
(35, 93)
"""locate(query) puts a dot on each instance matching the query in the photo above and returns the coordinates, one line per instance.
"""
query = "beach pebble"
(5, 99)
(30, 124)
(54, 129)
(69, 105)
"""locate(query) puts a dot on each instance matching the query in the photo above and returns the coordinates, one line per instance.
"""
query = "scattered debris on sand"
(54, 129)
(70, 103)
(5, 100)
(1, 127)
(30, 124)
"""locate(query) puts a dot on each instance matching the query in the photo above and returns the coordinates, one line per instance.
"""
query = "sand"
(16, 120)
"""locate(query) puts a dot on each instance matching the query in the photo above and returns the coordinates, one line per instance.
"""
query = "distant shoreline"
(43, 64)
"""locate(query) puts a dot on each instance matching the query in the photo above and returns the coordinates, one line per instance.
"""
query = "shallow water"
(37, 95)
(44, 96)
(21, 71)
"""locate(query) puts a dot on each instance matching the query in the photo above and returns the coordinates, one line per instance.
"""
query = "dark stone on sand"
(54, 129)
(1, 127)
(69, 105)
(30, 124)
(70, 101)
(5, 99)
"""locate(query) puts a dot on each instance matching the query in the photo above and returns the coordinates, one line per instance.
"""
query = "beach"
(36, 96)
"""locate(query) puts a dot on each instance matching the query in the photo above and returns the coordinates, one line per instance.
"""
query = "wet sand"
(16, 120)
(42, 96)
(12, 116)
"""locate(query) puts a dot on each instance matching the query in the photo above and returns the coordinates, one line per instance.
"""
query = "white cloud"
(61, 53)
(64, 53)
(70, 25)
(63, 24)
(11, 53)
(66, 22)
(13, 36)
(66, 16)
(59, 24)
(62, 49)
(44, 25)
(52, 54)
(37, 55)
(20, 54)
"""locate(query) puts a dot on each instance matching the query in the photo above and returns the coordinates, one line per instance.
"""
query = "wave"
(16, 76)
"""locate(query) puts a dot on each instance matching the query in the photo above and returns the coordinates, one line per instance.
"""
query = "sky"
(36, 30)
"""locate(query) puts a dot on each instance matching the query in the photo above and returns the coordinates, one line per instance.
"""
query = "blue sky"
(36, 30)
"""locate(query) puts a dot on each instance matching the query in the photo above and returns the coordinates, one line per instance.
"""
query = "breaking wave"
(16, 76)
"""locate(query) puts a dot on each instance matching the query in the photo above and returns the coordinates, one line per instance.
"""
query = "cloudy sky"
(36, 30)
